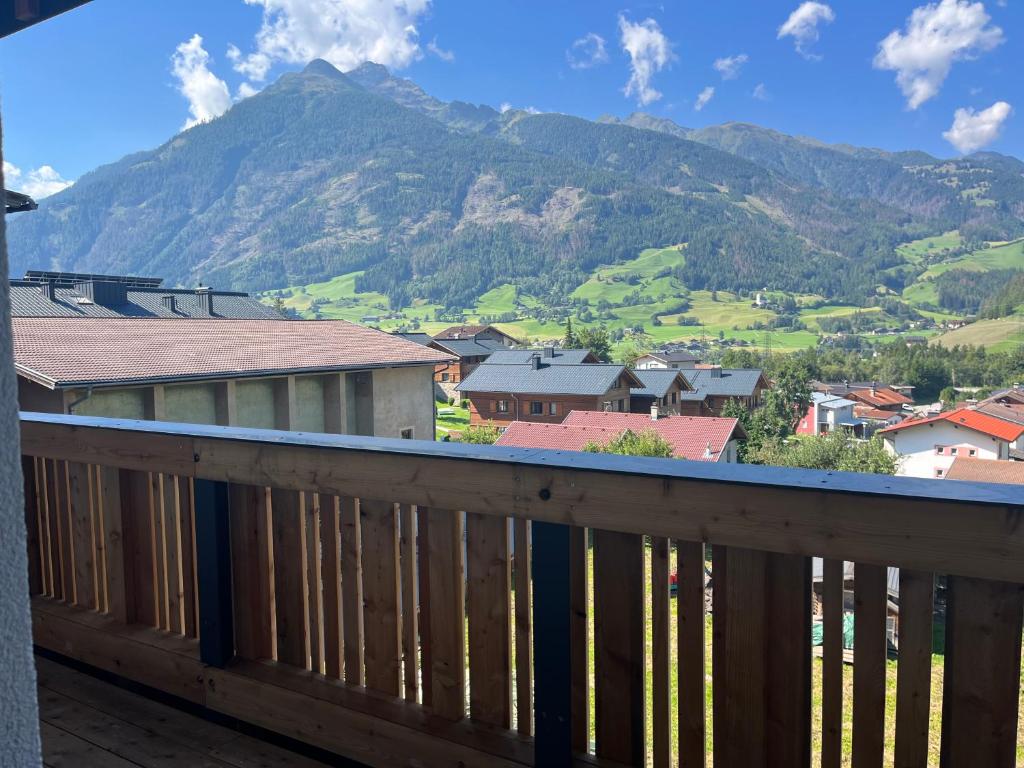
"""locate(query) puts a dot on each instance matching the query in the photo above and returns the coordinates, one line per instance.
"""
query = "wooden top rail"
(969, 529)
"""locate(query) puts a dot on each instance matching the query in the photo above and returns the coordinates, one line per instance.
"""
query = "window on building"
(675, 398)
(952, 451)
(972, 452)
(444, 376)
(536, 408)
(408, 433)
(552, 409)
(939, 472)
(503, 406)
(939, 450)
(621, 402)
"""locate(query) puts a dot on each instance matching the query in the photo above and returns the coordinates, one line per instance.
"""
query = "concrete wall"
(309, 402)
(191, 403)
(403, 398)
(112, 403)
(19, 712)
(255, 403)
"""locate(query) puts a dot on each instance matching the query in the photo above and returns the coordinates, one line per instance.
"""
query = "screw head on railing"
(544, 494)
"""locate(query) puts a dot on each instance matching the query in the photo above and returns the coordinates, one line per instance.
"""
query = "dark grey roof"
(520, 356)
(468, 347)
(418, 338)
(674, 356)
(586, 379)
(656, 381)
(725, 382)
(27, 300)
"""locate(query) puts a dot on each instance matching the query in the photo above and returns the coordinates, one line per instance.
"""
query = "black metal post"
(213, 572)
(552, 654)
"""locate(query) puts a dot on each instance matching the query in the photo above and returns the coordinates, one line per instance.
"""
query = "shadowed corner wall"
(19, 711)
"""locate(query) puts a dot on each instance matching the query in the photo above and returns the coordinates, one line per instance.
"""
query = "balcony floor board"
(90, 723)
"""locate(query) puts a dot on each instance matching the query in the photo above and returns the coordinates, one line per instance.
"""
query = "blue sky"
(118, 76)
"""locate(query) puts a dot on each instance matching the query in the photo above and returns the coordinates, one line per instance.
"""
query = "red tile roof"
(877, 414)
(971, 419)
(689, 436)
(986, 470)
(60, 351)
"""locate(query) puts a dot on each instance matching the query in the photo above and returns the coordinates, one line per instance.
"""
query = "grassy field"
(1002, 256)
(456, 421)
(997, 335)
(917, 250)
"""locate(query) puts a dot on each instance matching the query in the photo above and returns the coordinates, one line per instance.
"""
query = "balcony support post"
(213, 571)
(551, 649)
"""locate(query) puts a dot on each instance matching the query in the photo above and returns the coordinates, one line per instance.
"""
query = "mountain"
(323, 174)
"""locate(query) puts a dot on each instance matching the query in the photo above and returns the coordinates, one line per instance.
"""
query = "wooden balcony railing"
(371, 597)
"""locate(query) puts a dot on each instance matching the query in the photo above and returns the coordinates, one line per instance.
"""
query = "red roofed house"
(928, 447)
(986, 471)
(315, 376)
(698, 438)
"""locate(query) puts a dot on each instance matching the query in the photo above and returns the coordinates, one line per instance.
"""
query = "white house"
(678, 358)
(928, 447)
(827, 413)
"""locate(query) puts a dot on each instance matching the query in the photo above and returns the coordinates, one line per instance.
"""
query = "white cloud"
(245, 90)
(802, 26)
(703, 98)
(208, 95)
(649, 52)
(587, 52)
(729, 66)
(441, 53)
(344, 32)
(937, 35)
(760, 93)
(973, 130)
(38, 183)
(505, 107)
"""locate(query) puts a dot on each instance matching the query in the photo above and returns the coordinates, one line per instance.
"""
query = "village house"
(986, 471)
(927, 447)
(675, 358)
(542, 390)
(663, 389)
(72, 294)
(469, 345)
(313, 376)
(827, 413)
(697, 438)
(713, 387)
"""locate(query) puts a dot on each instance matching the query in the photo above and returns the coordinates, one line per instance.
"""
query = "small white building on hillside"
(928, 447)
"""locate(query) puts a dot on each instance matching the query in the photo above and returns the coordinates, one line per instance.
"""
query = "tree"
(279, 304)
(630, 352)
(571, 340)
(630, 443)
(481, 434)
(597, 341)
(837, 451)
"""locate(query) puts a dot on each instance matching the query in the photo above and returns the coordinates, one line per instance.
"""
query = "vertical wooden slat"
(869, 594)
(330, 574)
(83, 535)
(189, 596)
(139, 548)
(660, 650)
(524, 637)
(832, 664)
(109, 496)
(982, 675)
(32, 528)
(290, 599)
(690, 617)
(383, 623)
(156, 501)
(578, 639)
(426, 654)
(619, 646)
(738, 657)
(352, 589)
(314, 589)
(252, 579)
(447, 614)
(410, 622)
(787, 598)
(488, 584)
(57, 479)
(99, 526)
(914, 670)
(50, 568)
(172, 540)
